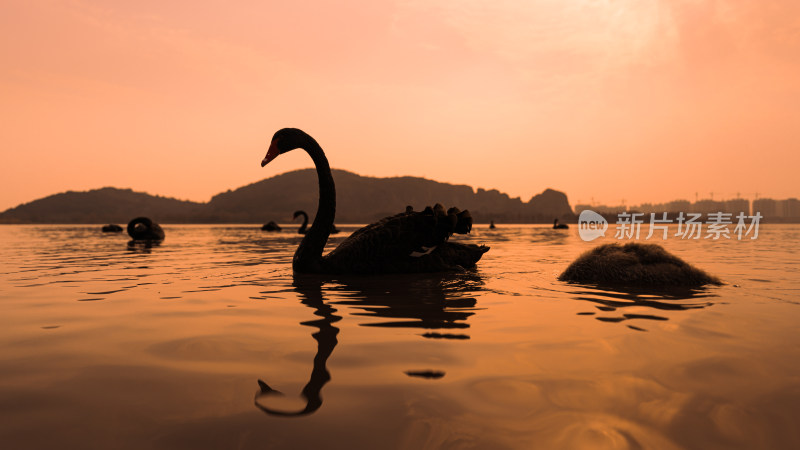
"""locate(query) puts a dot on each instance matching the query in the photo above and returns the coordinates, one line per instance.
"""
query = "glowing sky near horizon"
(642, 100)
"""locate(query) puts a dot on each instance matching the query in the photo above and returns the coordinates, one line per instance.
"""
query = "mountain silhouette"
(360, 199)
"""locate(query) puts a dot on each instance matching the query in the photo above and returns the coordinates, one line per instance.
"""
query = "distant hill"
(106, 205)
(359, 200)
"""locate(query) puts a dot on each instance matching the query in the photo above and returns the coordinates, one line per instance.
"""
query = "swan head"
(285, 140)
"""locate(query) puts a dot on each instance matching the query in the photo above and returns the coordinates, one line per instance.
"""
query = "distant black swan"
(303, 229)
(406, 242)
(559, 226)
(111, 228)
(635, 264)
(144, 229)
(271, 226)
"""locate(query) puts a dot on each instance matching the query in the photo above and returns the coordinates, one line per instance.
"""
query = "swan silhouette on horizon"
(271, 226)
(403, 243)
(144, 229)
(303, 228)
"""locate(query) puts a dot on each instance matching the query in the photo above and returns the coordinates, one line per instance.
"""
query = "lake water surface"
(178, 346)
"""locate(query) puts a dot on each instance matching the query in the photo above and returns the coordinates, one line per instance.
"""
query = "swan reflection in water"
(433, 302)
(139, 246)
(430, 301)
(310, 291)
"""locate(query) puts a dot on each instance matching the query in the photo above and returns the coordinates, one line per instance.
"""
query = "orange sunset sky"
(642, 100)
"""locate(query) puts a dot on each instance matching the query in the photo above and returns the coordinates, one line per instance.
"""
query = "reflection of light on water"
(556, 413)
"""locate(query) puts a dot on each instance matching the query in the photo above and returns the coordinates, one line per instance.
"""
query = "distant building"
(789, 208)
(737, 206)
(767, 207)
(707, 206)
(678, 206)
(784, 210)
(602, 209)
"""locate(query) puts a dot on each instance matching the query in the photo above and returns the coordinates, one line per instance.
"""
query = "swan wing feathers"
(408, 242)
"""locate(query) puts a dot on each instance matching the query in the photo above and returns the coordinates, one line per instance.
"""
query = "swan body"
(635, 264)
(404, 243)
(144, 229)
(111, 228)
(271, 226)
(559, 226)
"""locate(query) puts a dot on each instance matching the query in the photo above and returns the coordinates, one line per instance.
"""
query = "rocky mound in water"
(635, 264)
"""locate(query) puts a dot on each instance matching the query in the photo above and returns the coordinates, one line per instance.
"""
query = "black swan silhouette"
(559, 226)
(144, 229)
(303, 227)
(635, 264)
(406, 242)
(271, 226)
(111, 228)
(492, 225)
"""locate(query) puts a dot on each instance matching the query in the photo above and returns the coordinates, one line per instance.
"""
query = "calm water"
(109, 347)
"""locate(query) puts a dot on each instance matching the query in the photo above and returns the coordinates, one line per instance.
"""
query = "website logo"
(591, 225)
(716, 225)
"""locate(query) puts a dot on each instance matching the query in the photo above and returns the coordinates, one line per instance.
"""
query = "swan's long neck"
(308, 257)
(305, 222)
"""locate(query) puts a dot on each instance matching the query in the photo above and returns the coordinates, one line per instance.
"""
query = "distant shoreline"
(289, 225)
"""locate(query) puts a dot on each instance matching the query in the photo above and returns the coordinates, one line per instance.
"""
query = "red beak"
(272, 153)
